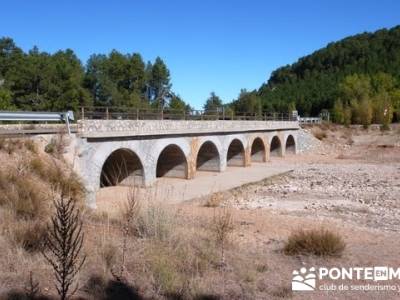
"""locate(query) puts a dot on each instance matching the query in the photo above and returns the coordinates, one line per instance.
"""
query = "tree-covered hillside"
(37, 80)
(314, 82)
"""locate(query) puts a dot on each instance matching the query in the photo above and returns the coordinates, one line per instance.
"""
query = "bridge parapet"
(120, 128)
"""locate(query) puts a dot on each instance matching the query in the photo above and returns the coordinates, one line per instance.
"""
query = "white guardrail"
(38, 116)
(307, 120)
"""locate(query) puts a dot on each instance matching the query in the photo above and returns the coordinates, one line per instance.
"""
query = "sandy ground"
(176, 190)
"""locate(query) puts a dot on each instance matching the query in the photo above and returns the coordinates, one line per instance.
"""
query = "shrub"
(50, 148)
(319, 134)
(282, 292)
(384, 127)
(22, 195)
(63, 245)
(320, 242)
(222, 227)
(37, 165)
(163, 266)
(154, 221)
(30, 145)
(53, 174)
(56, 146)
(214, 200)
(29, 235)
(10, 145)
(262, 268)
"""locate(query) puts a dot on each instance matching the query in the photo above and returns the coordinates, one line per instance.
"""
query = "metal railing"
(308, 120)
(125, 113)
(29, 116)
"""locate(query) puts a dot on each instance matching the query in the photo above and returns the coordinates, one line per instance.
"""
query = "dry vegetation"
(321, 242)
(147, 250)
(150, 250)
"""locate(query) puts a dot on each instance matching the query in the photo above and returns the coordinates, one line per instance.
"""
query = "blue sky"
(219, 46)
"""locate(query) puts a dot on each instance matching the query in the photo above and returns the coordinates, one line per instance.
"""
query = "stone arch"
(275, 146)
(172, 162)
(208, 157)
(290, 147)
(236, 154)
(122, 167)
(258, 150)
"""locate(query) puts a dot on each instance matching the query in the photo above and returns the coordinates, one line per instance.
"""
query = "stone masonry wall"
(117, 128)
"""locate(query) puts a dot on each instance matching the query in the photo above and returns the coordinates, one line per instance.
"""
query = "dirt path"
(175, 190)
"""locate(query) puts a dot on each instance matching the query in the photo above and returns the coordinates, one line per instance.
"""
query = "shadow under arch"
(122, 167)
(208, 158)
(258, 150)
(276, 146)
(290, 145)
(172, 162)
(236, 154)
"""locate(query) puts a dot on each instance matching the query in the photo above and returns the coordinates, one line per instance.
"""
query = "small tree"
(338, 112)
(365, 112)
(130, 213)
(63, 245)
(222, 228)
(212, 104)
(347, 115)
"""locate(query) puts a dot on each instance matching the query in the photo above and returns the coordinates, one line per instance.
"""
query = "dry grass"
(10, 145)
(27, 183)
(154, 221)
(222, 226)
(28, 235)
(30, 146)
(59, 178)
(57, 145)
(282, 292)
(320, 242)
(319, 133)
(22, 194)
(341, 156)
(214, 200)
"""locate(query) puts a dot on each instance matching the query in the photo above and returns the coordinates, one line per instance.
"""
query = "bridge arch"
(236, 153)
(258, 150)
(290, 147)
(208, 157)
(172, 162)
(275, 146)
(122, 167)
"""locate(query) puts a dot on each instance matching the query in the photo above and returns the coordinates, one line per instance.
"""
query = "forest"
(357, 79)
(38, 80)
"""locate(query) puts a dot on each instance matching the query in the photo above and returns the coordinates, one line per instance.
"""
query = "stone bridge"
(122, 152)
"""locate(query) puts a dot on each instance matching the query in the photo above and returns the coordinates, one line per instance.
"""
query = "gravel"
(307, 141)
(366, 194)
